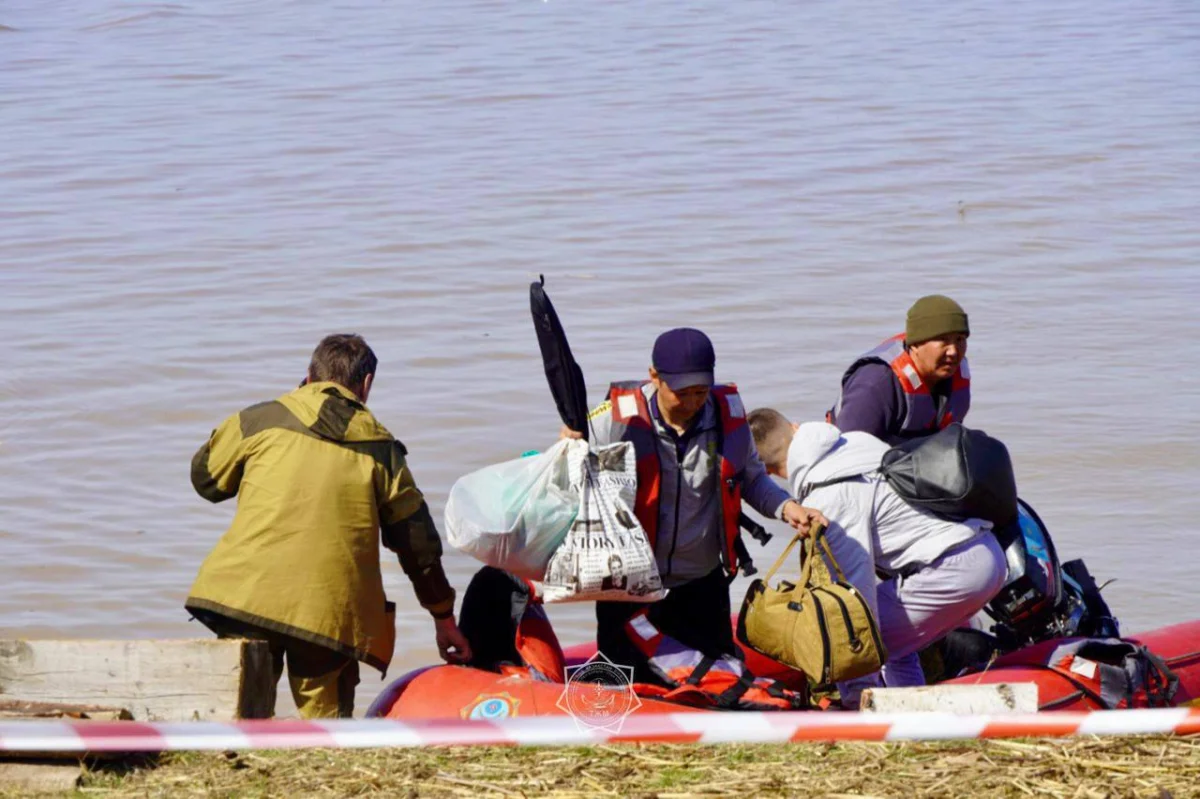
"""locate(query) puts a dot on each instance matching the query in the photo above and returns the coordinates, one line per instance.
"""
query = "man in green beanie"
(914, 383)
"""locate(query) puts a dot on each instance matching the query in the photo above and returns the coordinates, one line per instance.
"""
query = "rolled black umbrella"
(562, 372)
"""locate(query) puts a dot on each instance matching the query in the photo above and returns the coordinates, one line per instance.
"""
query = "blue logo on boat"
(491, 706)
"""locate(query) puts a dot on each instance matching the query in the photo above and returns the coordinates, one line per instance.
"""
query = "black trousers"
(695, 613)
(491, 610)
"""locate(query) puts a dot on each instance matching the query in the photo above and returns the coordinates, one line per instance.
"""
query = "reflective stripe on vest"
(632, 422)
(724, 682)
(921, 408)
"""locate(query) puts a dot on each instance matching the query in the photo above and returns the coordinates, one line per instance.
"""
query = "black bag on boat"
(562, 372)
(957, 473)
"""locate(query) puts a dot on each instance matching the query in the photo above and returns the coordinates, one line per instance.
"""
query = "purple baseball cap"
(684, 357)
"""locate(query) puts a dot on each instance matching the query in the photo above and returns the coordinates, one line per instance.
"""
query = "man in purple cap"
(696, 462)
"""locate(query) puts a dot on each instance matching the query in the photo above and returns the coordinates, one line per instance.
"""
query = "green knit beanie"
(934, 316)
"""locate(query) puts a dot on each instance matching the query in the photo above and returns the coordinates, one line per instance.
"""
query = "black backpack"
(956, 473)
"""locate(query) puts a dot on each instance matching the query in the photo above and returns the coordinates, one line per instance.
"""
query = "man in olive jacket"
(317, 479)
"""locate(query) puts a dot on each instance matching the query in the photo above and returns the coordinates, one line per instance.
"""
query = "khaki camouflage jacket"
(317, 479)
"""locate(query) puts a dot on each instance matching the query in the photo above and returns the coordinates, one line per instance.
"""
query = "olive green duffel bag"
(820, 626)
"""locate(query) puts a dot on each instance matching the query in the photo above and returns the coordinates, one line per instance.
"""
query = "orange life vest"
(694, 678)
(535, 642)
(922, 413)
(632, 422)
(538, 645)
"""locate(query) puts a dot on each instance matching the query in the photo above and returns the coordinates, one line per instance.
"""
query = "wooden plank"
(993, 698)
(20, 709)
(207, 680)
(31, 778)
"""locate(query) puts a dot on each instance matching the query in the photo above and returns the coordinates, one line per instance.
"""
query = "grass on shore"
(1158, 767)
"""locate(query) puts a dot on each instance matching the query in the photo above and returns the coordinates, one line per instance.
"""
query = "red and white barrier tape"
(132, 736)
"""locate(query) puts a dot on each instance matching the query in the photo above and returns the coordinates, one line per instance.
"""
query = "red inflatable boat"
(1051, 628)
(1070, 683)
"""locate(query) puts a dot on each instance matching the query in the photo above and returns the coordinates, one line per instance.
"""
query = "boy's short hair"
(772, 435)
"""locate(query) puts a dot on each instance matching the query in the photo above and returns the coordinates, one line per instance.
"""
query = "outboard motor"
(1097, 621)
(1044, 598)
(1041, 599)
(1034, 585)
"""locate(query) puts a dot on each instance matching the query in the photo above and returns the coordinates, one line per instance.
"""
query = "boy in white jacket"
(940, 573)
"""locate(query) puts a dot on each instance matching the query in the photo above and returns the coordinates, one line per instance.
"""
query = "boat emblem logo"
(491, 706)
(599, 694)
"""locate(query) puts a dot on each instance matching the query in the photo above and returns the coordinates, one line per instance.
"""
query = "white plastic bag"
(606, 554)
(513, 515)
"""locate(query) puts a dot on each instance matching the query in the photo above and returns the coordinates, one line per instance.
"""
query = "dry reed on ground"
(1158, 767)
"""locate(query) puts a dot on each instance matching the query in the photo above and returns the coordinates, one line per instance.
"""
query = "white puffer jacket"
(869, 524)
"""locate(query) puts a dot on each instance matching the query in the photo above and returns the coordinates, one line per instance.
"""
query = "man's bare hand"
(451, 643)
(802, 518)
(567, 432)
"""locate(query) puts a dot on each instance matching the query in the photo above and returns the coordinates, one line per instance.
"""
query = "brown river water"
(192, 194)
